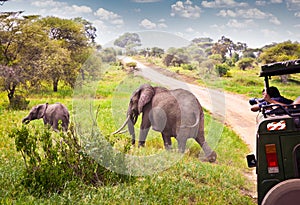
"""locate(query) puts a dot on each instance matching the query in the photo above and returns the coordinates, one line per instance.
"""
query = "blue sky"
(256, 23)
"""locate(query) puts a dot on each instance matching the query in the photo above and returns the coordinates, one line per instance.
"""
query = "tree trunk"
(55, 85)
(284, 79)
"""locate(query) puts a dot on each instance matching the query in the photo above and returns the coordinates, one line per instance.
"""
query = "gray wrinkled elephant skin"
(175, 113)
(51, 114)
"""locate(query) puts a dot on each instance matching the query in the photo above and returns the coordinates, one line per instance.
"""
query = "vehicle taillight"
(271, 155)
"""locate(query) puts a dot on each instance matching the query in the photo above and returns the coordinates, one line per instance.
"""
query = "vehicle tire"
(286, 192)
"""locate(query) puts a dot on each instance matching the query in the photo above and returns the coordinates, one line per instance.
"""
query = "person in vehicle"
(272, 101)
(272, 96)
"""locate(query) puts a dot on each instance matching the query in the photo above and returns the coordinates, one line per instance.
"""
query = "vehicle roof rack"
(280, 68)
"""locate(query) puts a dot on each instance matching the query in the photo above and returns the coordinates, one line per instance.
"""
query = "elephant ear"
(147, 92)
(41, 109)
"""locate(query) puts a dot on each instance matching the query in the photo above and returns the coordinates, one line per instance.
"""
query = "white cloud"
(225, 13)
(105, 14)
(147, 24)
(223, 4)
(249, 14)
(100, 25)
(260, 3)
(190, 30)
(81, 9)
(109, 16)
(48, 3)
(276, 1)
(244, 13)
(162, 25)
(185, 9)
(252, 13)
(297, 14)
(293, 4)
(274, 20)
(56, 7)
(268, 33)
(233, 23)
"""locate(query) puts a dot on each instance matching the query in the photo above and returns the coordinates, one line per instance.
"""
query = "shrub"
(188, 67)
(131, 65)
(222, 69)
(18, 102)
(53, 160)
(245, 63)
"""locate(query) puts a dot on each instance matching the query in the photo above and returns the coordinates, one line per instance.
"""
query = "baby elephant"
(51, 114)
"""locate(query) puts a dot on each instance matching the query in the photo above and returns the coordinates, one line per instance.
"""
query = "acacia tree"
(128, 41)
(281, 52)
(21, 43)
(70, 40)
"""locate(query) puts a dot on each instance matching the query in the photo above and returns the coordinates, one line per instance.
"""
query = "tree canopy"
(36, 50)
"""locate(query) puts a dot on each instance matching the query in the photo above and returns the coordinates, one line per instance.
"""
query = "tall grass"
(188, 181)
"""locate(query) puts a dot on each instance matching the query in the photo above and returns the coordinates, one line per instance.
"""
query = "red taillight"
(272, 161)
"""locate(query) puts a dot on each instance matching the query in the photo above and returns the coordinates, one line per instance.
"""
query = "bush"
(131, 65)
(53, 160)
(18, 102)
(222, 69)
(188, 67)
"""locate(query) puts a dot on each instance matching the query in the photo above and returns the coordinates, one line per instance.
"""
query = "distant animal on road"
(175, 113)
(51, 114)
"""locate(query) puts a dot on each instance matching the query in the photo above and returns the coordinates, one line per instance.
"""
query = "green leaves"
(54, 159)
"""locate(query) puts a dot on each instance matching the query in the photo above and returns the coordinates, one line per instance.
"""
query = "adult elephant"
(51, 114)
(175, 113)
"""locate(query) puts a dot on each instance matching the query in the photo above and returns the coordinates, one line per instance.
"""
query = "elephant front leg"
(144, 129)
(143, 136)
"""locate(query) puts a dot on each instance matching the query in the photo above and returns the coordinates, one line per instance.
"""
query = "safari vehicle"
(277, 158)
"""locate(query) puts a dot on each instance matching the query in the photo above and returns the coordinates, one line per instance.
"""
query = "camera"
(254, 101)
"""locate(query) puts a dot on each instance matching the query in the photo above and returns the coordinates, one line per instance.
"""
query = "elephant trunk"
(133, 116)
(131, 129)
(25, 120)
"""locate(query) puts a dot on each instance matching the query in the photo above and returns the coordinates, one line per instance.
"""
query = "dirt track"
(232, 109)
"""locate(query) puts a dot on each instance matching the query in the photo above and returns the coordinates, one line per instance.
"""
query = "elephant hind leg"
(167, 141)
(209, 153)
(181, 144)
(54, 125)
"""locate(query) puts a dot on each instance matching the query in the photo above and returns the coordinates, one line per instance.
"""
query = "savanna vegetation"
(47, 59)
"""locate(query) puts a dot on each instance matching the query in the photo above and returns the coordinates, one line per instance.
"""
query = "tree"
(73, 42)
(108, 55)
(56, 61)
(281, 52)
(245, 63)
(128, 41)
(90, 30)
(157, 52)
(18, 36)
(10, 78)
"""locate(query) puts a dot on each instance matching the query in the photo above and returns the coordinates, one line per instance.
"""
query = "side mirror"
(251, 160)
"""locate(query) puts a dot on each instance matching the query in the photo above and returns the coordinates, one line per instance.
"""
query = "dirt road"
(231, 109)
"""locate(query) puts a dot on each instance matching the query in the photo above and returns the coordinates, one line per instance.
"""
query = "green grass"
(188, 181)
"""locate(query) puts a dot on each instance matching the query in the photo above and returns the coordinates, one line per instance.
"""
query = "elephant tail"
(192, 126)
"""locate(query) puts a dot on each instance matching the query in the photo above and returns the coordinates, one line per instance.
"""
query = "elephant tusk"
(122, 127)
